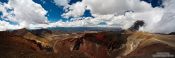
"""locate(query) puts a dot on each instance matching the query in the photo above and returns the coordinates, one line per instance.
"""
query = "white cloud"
(24, 12)
(28, 11)
(166, 24)
(118, 7)
(75, 10)
(62, 2)
(112, 12)
(7, 26)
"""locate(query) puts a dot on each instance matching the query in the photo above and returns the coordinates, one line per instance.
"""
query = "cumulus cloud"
(24, 12)
(101, 7)
(166, 24)
(116, 13)
(118, 7)
(28, 11)
(62, 2)
(7, 26)
(75, 10)
(123, 13)
(111, 13)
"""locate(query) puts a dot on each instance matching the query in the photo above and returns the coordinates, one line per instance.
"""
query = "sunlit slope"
(140, 40)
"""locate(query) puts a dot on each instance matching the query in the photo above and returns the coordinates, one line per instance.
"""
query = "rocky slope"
(25, 43)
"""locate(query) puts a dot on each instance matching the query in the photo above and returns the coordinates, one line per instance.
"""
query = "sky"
(36, 14)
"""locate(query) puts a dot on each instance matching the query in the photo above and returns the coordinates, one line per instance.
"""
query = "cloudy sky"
(33, 14)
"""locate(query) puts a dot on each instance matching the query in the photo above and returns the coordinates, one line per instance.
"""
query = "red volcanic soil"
(14, 47)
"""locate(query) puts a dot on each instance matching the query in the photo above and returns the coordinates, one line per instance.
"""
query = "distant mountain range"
(81, 29)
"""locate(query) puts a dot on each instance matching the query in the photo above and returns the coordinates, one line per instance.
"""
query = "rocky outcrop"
(113, 44)
(98, 45)
(172, 33)
(137, 25)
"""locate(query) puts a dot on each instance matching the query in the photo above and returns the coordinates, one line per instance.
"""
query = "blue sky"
(55, 12)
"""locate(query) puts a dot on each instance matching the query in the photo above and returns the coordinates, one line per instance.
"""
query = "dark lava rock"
(137, 25)
(41, 32)
(172, 33)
